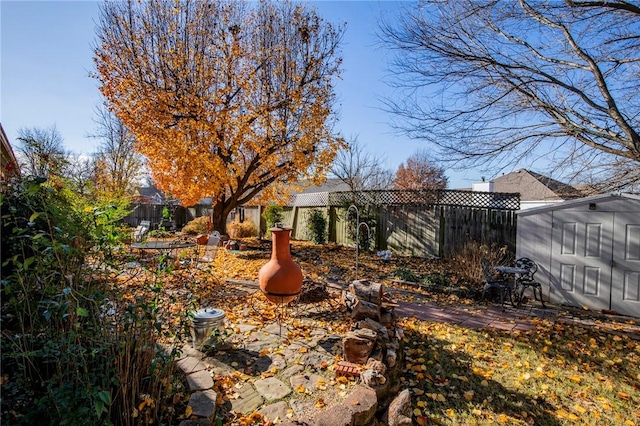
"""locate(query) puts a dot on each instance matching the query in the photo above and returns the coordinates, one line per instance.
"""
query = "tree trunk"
(219, 220)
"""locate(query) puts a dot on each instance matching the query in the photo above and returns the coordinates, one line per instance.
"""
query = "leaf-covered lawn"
(555, 374)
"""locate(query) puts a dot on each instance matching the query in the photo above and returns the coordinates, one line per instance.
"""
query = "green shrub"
(361, 226)
(243, 229)
(273, 214)
(436, 280)
(199, 225)
(70, 354)
(317, 226)
(405, 275)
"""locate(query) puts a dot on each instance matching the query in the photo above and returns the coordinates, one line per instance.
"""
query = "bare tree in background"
(361, 169)
(119, 165)
(81, 173)
(493, 83)
(41, 152)
(420, 172)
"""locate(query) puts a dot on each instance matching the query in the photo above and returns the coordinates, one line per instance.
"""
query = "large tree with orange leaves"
(226, 99)
(420, 172)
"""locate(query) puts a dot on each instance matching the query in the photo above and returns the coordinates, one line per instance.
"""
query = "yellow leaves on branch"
(221, 102)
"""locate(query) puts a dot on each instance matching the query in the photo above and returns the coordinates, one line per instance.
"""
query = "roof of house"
(330, 185)
(533, 186)
(632, 198)
(152, 195)
(7, 156)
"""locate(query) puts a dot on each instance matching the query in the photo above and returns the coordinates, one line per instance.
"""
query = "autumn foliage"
(225, 99)
(420, 173)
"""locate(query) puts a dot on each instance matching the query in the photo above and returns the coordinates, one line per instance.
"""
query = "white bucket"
(204, 325)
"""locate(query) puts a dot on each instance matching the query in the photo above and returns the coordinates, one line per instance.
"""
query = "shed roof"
(533, 186)
(580, 201)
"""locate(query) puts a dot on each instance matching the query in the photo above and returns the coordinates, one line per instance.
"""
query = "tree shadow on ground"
(447, 383)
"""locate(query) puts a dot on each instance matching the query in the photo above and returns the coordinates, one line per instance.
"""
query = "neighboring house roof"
(152, 195)
(8, 161)
(534, 186)
(331, 185)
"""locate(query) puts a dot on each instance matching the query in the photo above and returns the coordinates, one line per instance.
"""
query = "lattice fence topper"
(443, 197)
(315, 199)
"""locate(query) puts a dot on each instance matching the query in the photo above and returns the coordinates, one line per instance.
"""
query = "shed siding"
(605, 270)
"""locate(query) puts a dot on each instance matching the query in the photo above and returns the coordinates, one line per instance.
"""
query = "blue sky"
(46, 58)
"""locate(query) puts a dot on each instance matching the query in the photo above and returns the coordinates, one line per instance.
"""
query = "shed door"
(581, 258)
(625, 290)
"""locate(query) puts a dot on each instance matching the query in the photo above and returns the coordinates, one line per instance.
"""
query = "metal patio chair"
(526, 280)
(495, 283)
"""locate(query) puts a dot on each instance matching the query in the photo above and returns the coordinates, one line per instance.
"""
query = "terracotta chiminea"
(281, 278)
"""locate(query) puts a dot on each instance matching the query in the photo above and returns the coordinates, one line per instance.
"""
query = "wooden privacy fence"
(153, 212)
(423, 223)
(416, 223)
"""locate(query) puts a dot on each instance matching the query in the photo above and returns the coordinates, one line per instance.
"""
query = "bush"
(405, 275)
(361, 226)
(317, 226)
(199, 225)
(273, 214)
(468, 260)
(244, 229)
(69, 353)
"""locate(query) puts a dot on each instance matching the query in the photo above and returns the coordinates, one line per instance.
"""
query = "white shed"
(587, 251)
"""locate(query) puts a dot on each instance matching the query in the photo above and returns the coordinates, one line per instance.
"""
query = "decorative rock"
(399, 412)
(391, 358)
(203, 404)
(381, 330)
(334, 415)
(357, 346)
(362, 402)
(271, 388)
(372, 378)
(377, 366)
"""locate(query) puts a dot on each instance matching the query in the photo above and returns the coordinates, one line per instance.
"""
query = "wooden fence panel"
(458, 226)
(153, 213)
(412, 230)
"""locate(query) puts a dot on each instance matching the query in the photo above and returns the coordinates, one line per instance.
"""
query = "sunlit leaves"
(225, 99)
(489, 377)
(455, 375)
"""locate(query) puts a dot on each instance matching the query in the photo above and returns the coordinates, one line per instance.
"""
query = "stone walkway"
(284, 379)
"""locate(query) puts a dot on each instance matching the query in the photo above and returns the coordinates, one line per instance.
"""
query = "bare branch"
(492, 83)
